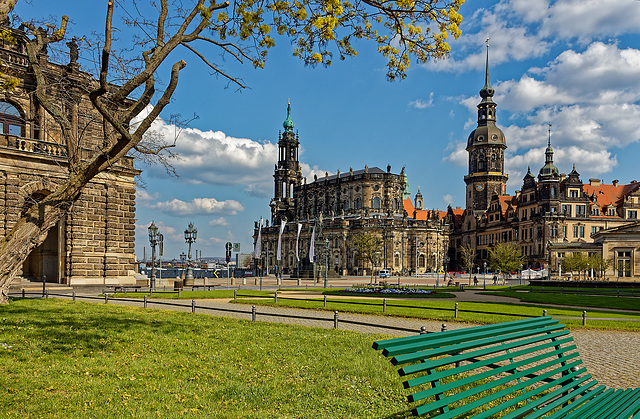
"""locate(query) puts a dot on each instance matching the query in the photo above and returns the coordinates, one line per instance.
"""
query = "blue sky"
(572, 63)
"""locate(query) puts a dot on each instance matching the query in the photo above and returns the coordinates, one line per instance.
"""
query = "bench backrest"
(522, 367)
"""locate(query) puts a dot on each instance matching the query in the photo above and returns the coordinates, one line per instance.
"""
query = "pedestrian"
(475, 280)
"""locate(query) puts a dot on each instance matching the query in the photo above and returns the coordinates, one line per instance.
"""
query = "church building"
(339, 207)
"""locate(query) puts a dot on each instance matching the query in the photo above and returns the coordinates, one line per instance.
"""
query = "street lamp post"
(484, 277)
(155, 238)
(183, 257)
(190, 235)
(326, 262)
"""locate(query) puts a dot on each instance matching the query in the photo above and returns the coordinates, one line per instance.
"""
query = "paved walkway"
(612, 357)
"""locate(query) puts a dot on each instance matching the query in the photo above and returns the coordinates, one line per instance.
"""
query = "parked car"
(384, 273)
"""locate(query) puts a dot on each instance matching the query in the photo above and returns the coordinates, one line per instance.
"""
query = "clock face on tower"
(480, 187)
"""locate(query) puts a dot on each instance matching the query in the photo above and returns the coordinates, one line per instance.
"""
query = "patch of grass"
(486, 313)
(63, 359)
(623, 303)
(438, 294)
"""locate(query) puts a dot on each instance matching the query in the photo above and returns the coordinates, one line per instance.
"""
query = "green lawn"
(468, 311)
(622, 303)
(63, 359)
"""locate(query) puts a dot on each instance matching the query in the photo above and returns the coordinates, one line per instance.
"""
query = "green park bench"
(523, 368)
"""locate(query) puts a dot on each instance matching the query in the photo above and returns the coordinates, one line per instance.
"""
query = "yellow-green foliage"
(403, 30)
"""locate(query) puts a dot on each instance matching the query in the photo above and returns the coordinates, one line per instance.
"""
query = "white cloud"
(216, 222)
(212, 157)
(199, 206)
(422, 104)
(448, 199)
(143, 197)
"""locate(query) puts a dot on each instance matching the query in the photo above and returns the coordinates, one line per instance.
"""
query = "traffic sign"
(228, 245)
(236, 247)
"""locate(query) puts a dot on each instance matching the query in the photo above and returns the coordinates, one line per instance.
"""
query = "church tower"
(287, 173)
(486, 145)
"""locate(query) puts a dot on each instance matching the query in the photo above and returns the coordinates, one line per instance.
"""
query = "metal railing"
(193, 306)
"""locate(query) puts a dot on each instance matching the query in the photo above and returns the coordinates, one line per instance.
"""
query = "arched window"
(396, 261)
(420, 261)
(11, 120)
(376, 202)
(481, 163)
(358, 203)
(553, 192)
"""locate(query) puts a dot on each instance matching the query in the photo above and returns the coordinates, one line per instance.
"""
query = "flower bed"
(394, 291)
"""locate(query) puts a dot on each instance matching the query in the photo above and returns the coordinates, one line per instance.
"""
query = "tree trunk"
(29, 233)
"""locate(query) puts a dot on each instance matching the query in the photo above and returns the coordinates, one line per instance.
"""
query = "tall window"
(581, 231)
(553, 231)
(396, 261)
(581, 210)
(575, 231)
(623, 263)
(11, 120)
(420, 261)
(566, 209)
(375, 202)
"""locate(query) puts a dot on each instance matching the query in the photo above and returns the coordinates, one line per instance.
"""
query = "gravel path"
(612, 357)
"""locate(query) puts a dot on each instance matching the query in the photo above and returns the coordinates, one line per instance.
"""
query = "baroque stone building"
(339, 207)
(94, 243)
(549, 216)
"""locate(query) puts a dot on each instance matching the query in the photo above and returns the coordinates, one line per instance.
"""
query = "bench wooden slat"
(383, 344)
(492, 385)
(459, 347)
(607, 410)
(451, 337)
(547, 402)
(410, 369)
(489, 373)
(631, 399)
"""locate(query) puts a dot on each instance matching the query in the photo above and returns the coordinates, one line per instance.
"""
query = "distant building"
(94, 242)
(548, 217)
(340, 206)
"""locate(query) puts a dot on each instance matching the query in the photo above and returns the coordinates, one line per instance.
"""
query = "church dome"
(486, 135)
(288, 123)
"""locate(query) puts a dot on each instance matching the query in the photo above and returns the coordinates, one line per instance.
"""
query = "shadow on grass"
(54, 326)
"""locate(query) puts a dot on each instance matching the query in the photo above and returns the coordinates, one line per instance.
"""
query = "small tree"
(468, 254)
(368, 249)
(506, 257)
(576, 262)
(599, 264)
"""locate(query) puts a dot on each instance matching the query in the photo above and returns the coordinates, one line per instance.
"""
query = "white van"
(384, 273)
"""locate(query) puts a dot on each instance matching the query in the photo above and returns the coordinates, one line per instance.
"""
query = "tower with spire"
(287, 173)
(485, 145)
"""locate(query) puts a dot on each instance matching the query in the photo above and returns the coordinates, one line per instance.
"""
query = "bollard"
(384, 305)
(275, 297)
(335, 319)
(456, 310)
(179, 292)
(423, 330)
(73, 296)
(253, 313)
(235, 295)
(46, 294)
(544, 313)
(193, 306)
(106, 298)
(44, 284)
(444, 327)
(618, 293)
(150, 292)
(145, 301)
(325, 301)
(22, 292)
(584, 318)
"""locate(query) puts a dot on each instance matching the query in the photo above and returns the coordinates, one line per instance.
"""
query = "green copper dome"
(288, 123)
